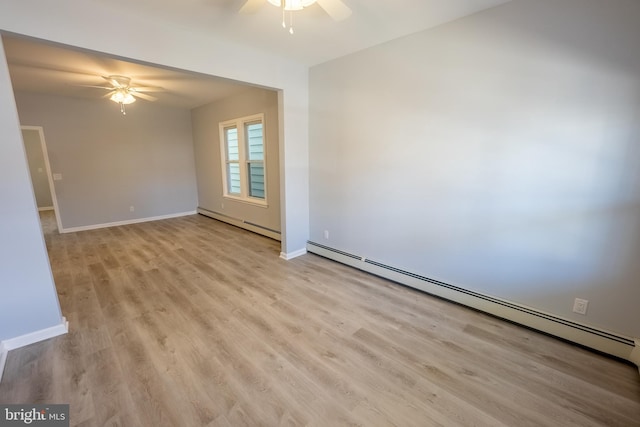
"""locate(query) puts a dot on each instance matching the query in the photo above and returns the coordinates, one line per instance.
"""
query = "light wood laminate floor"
(192, 322)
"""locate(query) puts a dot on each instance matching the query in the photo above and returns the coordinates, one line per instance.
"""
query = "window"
(243, 156)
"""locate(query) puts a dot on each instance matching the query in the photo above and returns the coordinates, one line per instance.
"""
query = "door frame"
(47, 165)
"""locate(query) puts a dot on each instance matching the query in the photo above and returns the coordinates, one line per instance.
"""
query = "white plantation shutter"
(255, 159)
(243, 154)
(232, 160)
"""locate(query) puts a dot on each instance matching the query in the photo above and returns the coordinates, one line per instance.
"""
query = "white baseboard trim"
(604, 341)
(37, 336)
(46, 208)
(3, 358)
(126, 222)
(291, 255)
(30, 338)
(255, 228)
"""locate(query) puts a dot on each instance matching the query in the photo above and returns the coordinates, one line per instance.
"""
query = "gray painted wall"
(206, 137)
(110, 162)
(498, 153)
(28, 299)
(37, 169)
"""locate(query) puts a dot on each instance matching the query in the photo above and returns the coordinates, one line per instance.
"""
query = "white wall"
(28, 301)
(110, 161)
(206, 140)
(498, 153)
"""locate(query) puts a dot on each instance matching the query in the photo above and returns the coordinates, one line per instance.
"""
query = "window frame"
(243, 158)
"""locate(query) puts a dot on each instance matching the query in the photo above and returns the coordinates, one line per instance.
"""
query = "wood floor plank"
(193, 322)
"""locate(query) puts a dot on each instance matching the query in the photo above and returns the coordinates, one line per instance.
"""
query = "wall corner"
(634, 357)
(3, 358)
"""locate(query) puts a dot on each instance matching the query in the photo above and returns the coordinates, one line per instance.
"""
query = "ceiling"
(53, 69)
(317, 37)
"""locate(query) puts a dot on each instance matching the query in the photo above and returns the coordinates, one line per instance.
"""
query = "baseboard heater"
(247, 225)
(604, 341)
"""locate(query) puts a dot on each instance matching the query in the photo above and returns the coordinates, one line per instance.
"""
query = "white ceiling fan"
(122, 92)
(336, 9)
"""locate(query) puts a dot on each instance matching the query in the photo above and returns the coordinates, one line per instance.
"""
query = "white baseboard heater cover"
(597, 339)
(247, 225)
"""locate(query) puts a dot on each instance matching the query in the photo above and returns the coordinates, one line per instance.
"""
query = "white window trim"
(242, 147)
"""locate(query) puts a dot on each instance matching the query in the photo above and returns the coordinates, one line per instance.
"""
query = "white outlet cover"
(580, 306)
(57, 177)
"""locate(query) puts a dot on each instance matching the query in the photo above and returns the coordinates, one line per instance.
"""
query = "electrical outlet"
(580, 306)
(131, 208)
(326, 234)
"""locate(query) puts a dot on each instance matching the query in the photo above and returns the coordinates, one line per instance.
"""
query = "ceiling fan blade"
(118, 81)
(49, 70)
(147, 89)
(97, 87)
(144, 96)
(109, 94)
(252, 6)
(111, 81)
(335, 8)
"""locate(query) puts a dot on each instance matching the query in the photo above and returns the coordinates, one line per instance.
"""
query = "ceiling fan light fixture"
(292, 4)
(123, 96)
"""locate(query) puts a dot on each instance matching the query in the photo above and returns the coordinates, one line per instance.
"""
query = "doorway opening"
(41, 177)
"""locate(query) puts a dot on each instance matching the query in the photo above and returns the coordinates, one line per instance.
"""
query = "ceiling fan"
(336, 9)
(122, 92)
